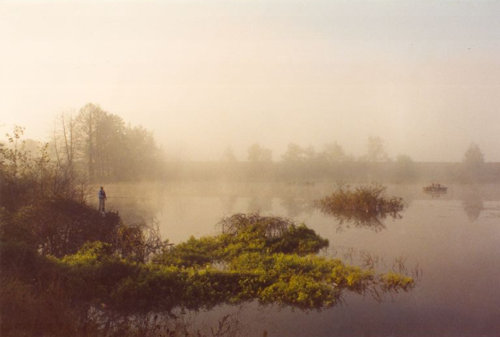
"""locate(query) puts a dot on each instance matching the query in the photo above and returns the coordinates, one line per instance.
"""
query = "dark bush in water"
(364, 199)
(363, 206)
(62, 226)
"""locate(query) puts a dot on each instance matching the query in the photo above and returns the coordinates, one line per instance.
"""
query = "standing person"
(102, 198)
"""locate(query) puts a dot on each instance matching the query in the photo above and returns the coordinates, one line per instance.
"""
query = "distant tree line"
(98, 146)
(331, 153)
(299, 163)
(305, 162)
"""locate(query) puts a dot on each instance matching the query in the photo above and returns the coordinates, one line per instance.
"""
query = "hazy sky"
(205, 75)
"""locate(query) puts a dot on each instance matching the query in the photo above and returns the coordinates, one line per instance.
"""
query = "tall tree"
(259, 154)
(473, 157)
(473, 162)
(228, 155)
(63, 149)
(113, 151)
(333, 152)
(294, 153)
(375, 150)
(87, 119)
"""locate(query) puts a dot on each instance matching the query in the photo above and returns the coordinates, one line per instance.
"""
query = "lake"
(449, 243)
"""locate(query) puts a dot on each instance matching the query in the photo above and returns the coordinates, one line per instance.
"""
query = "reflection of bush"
(242, 265)
(362, 206)
(473, 205)
(368, 199)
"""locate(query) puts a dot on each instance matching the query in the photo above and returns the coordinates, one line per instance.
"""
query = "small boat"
(435, 188)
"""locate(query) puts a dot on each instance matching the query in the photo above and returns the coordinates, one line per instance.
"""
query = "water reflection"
(363, 220)
(437, 306)
(435, 194)
(371, 261)
(473, 204)
(176, 323)
(296, 206)
(362, 206)
(228, 202)
(136, 203)
(260, 204)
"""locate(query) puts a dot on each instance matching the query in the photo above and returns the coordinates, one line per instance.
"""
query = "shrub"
(362, 205)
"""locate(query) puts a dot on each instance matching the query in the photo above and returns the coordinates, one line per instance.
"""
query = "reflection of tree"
(370, 260)
(435, 194)
(361, 219)
(362, 207)
(372, 222)
(179, 324)
(472, 204)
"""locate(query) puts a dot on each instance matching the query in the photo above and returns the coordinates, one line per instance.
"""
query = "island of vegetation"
(69, 270)
(363, 206)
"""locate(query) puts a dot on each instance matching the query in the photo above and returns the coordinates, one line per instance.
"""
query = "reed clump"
(369, 199)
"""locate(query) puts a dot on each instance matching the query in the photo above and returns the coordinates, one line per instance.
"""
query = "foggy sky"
(205, 75)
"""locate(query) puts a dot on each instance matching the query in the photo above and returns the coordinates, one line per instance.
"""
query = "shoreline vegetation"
(67, 270)
(117, 280)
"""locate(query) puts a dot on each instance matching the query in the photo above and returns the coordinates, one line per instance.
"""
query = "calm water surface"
(449, 243)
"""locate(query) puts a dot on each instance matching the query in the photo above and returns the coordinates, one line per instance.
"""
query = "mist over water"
(189, 112)
(447, 242)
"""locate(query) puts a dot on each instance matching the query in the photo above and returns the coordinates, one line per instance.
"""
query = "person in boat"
(102, 200)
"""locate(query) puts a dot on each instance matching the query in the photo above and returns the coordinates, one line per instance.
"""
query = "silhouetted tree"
(473, 157)
(257, 153)
(113, 151)
(295, 153)
(473, 162)
(87, 120)
(333, 152)
(228, 155)
(375, 150)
